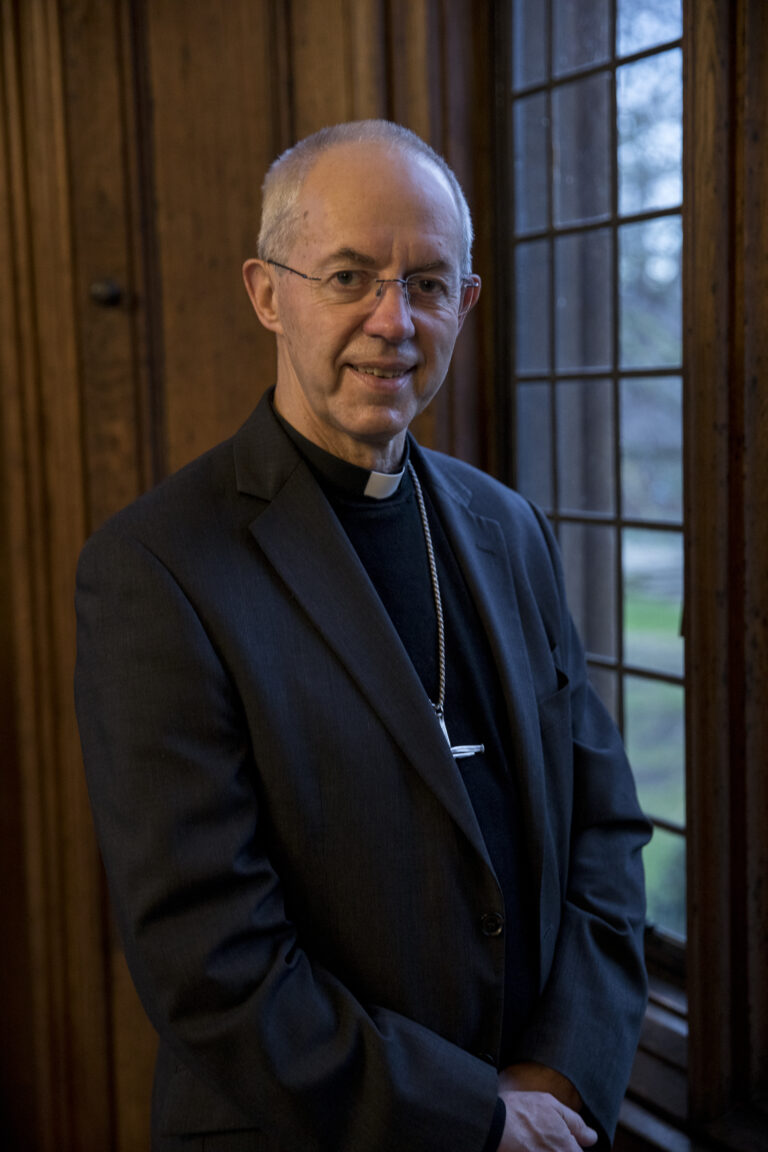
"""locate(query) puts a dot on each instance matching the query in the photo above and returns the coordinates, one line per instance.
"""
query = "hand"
(542, 1111)
(538, 1122)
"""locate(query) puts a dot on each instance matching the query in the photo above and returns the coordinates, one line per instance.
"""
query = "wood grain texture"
(708, 208)
(754, 38)
(210, 83)
(726, 478)
(134, 137)
(42, 461)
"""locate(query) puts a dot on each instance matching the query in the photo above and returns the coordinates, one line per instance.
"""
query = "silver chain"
(439, 707)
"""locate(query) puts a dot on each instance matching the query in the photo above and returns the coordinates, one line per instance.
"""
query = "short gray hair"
(286, 176)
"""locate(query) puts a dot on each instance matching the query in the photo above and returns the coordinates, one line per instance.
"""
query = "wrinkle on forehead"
(375, 199)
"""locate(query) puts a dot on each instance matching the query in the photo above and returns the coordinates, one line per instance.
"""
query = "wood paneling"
(726, 475)
(134, 137)
(65, 1102)
(213, 90)
(754, 240)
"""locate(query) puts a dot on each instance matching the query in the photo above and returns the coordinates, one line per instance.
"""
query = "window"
(622, 421)
(596, 125)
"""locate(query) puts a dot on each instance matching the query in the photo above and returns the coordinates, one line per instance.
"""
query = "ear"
(260, 286)
(470, 296)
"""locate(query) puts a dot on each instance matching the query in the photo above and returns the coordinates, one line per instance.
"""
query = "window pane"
(654, 738)
(582, 33)
(534, 443)
(531, 158)
(584, 300)
(664, 860)
(532, 306)
(582, 157)
(650, 293)
(651, 448)
(589, 558)
(642, 24)
(652, 564)
(585, 439)
(605, 682)
(529, 47)
(650, 100)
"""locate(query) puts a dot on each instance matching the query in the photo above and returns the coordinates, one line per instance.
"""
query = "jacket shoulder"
(484, 494)
(186, 501)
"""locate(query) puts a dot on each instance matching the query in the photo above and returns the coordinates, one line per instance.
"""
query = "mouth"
(386, 372)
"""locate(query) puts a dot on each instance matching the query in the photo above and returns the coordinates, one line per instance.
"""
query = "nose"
(390, 316)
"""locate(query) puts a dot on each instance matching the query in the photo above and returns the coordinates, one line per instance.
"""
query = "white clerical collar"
(383, 484)
(350, 478)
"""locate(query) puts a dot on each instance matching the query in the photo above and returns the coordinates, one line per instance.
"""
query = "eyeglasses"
(423, 293)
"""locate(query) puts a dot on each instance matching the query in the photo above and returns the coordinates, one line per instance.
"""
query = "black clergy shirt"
(388, 536)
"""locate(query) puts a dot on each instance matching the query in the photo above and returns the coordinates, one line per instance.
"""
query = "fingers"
(584, 1136)
(538, 1122)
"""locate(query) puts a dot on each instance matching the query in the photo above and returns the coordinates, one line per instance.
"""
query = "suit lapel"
(302, 539)
(481, 550)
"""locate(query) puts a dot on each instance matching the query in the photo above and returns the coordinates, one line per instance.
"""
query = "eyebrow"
(352, 256)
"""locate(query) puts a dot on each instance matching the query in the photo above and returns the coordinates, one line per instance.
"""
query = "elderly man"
(372, 841)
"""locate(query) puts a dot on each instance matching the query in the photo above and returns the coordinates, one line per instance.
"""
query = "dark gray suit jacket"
(297, 872)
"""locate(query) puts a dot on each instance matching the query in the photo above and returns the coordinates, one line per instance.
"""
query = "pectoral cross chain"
(458, 751)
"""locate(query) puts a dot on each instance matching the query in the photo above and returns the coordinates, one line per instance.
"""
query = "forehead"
(379, 200)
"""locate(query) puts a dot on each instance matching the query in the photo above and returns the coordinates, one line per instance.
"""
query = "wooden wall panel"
(102, 224)
(69, 1103)
(213, 91)
(321, 49)
(754, 186)
(134, 136)
(726, 481)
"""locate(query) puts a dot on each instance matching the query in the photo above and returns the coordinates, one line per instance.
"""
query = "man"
(373, 844)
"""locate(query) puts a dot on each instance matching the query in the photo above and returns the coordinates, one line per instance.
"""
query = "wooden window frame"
(701, 1077)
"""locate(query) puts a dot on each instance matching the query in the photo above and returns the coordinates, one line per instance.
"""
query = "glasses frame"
(464, 282)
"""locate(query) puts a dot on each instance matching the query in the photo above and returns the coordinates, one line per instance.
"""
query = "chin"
(379, 431)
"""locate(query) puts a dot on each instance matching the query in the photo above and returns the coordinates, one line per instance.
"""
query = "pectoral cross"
(458, 751)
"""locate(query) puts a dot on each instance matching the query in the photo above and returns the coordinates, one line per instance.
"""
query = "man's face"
(352, 375)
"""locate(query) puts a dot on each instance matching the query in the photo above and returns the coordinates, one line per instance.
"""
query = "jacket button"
(492, 924)
(486, 1056)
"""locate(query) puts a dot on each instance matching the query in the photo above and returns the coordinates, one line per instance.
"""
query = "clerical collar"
(340, 473)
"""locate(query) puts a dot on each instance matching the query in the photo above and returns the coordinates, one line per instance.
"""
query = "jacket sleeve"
(217, 963)
(587, 1022)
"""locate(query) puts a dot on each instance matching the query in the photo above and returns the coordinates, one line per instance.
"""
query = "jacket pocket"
(192, 1108)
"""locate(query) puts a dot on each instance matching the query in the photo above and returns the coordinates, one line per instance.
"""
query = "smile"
(383, 373)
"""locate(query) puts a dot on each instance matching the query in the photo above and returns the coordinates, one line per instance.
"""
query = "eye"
(428, 286)
(349, 279)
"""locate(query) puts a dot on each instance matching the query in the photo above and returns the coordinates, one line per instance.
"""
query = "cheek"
(439, 347)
